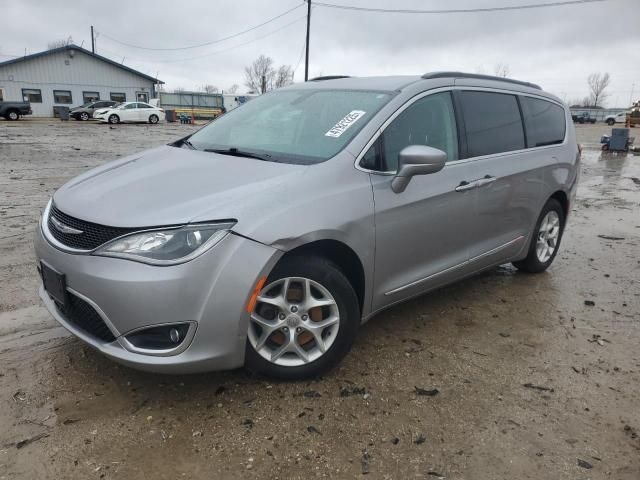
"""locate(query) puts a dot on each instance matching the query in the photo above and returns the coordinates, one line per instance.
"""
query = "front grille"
(84, 316)
(93, 235)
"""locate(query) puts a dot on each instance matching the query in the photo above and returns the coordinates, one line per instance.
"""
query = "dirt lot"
(532, 381)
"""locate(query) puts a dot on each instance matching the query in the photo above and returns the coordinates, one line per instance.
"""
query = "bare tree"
(598, 83)
(233, 89)
(284, 76)
(501, 70)
(59, 43)
(260, 74)
(209, 89)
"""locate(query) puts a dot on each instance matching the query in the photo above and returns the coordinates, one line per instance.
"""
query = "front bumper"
(211, 291)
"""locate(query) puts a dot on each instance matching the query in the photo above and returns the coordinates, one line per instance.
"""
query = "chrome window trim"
(451, 88)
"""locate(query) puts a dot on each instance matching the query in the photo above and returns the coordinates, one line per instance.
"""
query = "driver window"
(429, 121)
(131, 106)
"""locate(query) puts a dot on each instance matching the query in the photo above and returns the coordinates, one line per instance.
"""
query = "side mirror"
(416, 160)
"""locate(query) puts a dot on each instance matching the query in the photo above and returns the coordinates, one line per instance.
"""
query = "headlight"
(168, 246)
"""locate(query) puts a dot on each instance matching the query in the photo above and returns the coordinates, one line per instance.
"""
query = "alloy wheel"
(548, 235)
(296, 320)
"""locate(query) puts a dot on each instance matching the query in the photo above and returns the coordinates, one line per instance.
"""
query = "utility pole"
(93, 41)
(306, 58)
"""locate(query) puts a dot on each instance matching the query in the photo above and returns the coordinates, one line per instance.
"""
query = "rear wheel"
(84, 116)
(304, 322)
(153, 119)
(13, 115)
(546, 239)
(611, 121)
(114, 118)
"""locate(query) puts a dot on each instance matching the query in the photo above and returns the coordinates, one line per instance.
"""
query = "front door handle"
(485, 181)
(464, 186)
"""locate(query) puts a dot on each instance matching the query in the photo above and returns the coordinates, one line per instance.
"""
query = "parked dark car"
(583, 117)
(85, 112)
(14, 110)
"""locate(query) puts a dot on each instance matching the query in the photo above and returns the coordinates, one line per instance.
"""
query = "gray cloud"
(556, 47)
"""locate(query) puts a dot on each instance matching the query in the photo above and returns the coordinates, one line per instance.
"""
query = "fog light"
(174, 335)
(163, 337)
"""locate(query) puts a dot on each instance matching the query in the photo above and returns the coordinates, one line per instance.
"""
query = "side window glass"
(131, 106)
(492, 121)
(429, 121)
(545, 122)
(371, 159)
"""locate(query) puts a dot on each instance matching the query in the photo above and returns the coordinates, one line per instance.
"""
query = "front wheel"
(153, 119)
(304, 322)
(114, 119)
(84, 116)
(545, 240)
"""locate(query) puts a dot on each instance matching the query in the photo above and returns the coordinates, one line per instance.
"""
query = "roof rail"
(328, 77)
(478, 76)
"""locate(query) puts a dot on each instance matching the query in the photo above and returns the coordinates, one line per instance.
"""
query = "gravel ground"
(536, 376)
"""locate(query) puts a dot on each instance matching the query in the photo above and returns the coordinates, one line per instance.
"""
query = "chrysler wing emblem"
(61, 227)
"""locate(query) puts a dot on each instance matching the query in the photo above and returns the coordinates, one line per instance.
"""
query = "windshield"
(292, 126)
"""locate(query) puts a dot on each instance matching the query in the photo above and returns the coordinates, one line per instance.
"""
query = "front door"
(421, 233)
(129, 113)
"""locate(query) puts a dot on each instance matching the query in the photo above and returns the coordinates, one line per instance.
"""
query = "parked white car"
(617, 118)
(130, 112)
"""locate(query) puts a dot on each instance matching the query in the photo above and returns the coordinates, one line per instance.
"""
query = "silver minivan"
(268, 236)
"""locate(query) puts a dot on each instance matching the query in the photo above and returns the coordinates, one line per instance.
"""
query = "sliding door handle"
(464, 186)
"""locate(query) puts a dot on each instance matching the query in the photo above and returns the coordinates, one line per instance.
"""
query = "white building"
(70, 76)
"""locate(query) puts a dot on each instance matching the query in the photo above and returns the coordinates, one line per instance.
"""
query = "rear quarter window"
(545, 122)
(492, 121)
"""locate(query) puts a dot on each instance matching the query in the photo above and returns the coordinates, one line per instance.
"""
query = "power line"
(206, 43)
(461, 10)
(218, 51)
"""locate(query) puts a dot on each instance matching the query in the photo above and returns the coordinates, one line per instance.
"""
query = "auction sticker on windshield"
(344, 124)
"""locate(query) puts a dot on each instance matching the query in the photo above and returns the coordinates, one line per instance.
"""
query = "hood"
(169, 186)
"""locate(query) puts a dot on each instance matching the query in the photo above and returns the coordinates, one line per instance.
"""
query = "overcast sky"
(555, 47)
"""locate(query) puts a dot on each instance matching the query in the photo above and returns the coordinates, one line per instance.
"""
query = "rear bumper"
(210, 291)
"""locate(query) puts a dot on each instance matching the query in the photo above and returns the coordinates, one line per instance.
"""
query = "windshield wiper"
(235, 152)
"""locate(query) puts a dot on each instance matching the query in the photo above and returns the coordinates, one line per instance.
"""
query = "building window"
(62, 96)
(118, 97)
(88, 97)
(142, 97)
(32, 95)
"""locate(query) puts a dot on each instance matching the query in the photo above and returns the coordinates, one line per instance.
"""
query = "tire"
(611, 122)
(84, 116)
(12, 115)
(344, 302)
(153, 119)
(534, 261)
(113, 119)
